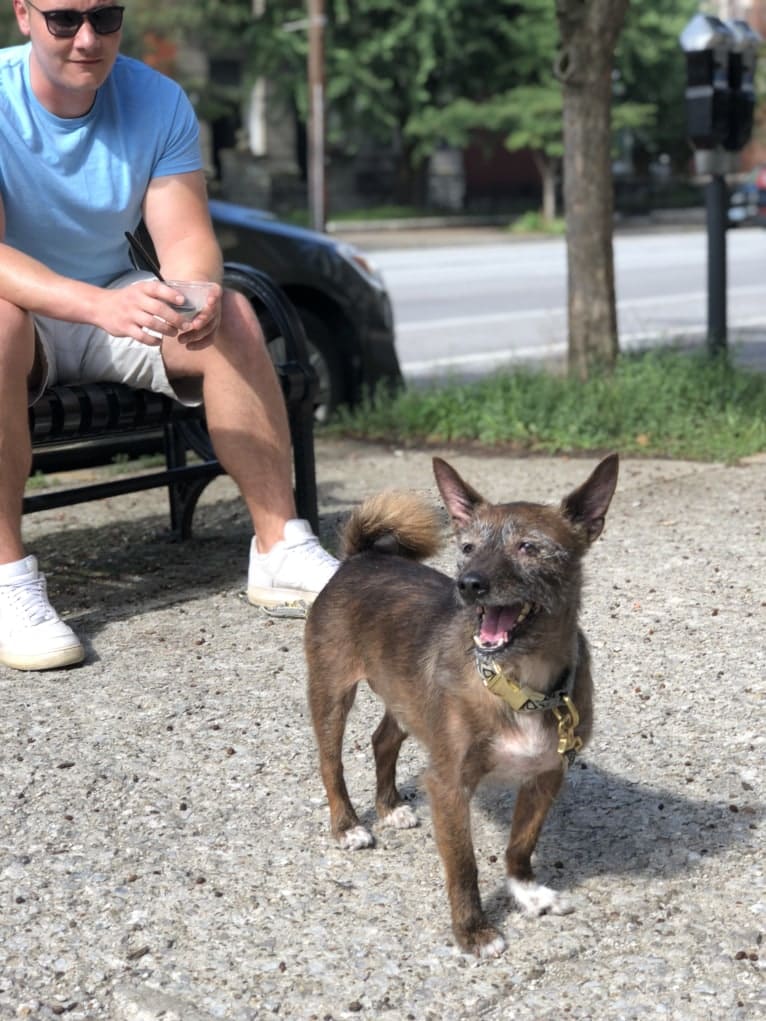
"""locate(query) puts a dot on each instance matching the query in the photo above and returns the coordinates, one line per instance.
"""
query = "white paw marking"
(493, 949)
(534, 899)
(355, 839)
(401, 818)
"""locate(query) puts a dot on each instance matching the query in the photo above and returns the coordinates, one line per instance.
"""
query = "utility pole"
(316, 120)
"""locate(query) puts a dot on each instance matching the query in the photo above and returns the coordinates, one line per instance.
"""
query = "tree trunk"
(588, 31)
(546, 168)
(410, 184)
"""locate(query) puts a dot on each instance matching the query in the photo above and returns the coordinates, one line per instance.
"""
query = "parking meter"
(707, 43)
(742, 62)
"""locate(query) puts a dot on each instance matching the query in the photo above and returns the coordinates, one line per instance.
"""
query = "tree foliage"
(651, 72)
(9, 34)
(422, 73)
(390, 66)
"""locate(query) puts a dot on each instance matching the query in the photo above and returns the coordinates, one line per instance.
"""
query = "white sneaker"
(32, 635)
(294, 570)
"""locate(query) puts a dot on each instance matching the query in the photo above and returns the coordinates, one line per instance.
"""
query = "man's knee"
(17, 342)
(240, 326)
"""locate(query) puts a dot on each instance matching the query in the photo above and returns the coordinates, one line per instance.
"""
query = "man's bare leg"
(16, 361)
(249, 429)
(32, 636)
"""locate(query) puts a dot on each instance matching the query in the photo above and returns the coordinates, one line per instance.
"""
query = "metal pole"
(316, 132)
(716, 199)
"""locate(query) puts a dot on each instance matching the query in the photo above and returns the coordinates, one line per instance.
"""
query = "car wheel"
(327, 363)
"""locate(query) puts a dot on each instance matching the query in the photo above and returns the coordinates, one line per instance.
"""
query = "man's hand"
(200, 331)
(146, 311)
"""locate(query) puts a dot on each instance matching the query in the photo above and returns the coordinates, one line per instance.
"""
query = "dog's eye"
(467, 548)
(528, 549)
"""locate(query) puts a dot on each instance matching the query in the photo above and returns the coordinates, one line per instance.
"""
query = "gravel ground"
(164, 851)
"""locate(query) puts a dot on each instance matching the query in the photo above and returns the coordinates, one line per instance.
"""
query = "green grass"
(389, 212)
(121, 464)
(512, 211)
(41, 481)
(301, 217)
(533, 223)
(667, 403)
(124, 464)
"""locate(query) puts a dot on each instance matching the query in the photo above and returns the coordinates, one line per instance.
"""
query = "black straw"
(141, 252)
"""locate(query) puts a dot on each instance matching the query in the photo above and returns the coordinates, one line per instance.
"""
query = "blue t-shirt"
(71, 187)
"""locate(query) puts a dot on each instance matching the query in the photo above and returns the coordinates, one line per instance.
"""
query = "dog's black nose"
(472, 586)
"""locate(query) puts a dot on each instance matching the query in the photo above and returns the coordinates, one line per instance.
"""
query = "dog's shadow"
(605, 824)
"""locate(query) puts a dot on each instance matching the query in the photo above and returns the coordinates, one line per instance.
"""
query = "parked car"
(747, 202)
(339, 295)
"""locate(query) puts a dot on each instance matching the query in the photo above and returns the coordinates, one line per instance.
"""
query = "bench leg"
(302, 434)
(182, 494)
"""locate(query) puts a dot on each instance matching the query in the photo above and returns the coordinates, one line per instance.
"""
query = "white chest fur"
(526, 749)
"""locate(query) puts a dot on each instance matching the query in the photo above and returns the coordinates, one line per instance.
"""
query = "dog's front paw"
(401, 818)
(355, 838)
(535, 900)
(485, 941)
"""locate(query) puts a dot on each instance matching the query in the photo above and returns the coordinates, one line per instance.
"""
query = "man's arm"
(125, 312)
(177, 217)
(31, 285)
(178, 220)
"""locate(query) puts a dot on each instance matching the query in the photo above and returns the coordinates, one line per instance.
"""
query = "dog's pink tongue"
(497, 621)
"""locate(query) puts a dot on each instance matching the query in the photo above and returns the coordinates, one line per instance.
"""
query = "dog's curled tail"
(404, 524)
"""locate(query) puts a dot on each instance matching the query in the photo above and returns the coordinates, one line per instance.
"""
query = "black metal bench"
(88, 424)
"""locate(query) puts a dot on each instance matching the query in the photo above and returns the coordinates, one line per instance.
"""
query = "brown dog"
(490, 672)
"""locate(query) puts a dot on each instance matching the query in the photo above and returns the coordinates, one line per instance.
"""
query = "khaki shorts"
(79, 353)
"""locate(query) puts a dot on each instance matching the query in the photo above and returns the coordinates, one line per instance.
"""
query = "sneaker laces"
(315, 551)
(29, 600)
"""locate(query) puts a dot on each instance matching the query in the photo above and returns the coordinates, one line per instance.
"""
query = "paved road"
(468, 303)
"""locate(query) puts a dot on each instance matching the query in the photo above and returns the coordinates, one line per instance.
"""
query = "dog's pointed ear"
(587, 505)
(460, 499)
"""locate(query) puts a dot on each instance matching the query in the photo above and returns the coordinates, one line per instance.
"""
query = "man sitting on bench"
(92, 142)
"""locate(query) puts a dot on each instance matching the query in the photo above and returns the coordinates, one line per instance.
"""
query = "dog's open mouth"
(498, 624)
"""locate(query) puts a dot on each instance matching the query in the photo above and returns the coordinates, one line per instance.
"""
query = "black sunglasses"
(65, 24)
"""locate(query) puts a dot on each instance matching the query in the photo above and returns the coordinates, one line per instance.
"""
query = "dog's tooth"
(525, 611)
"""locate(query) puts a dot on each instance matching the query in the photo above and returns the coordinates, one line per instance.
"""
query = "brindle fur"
(408, 630)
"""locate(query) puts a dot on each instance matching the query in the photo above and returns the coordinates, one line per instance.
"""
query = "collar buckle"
(567, 719)
(520, 698)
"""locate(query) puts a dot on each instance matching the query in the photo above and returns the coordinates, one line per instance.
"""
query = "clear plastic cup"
(195, 293)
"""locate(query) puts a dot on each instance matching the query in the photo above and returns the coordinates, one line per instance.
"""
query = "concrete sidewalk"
(164, 851)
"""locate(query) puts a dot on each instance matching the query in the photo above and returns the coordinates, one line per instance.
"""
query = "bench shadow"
(103, 572)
